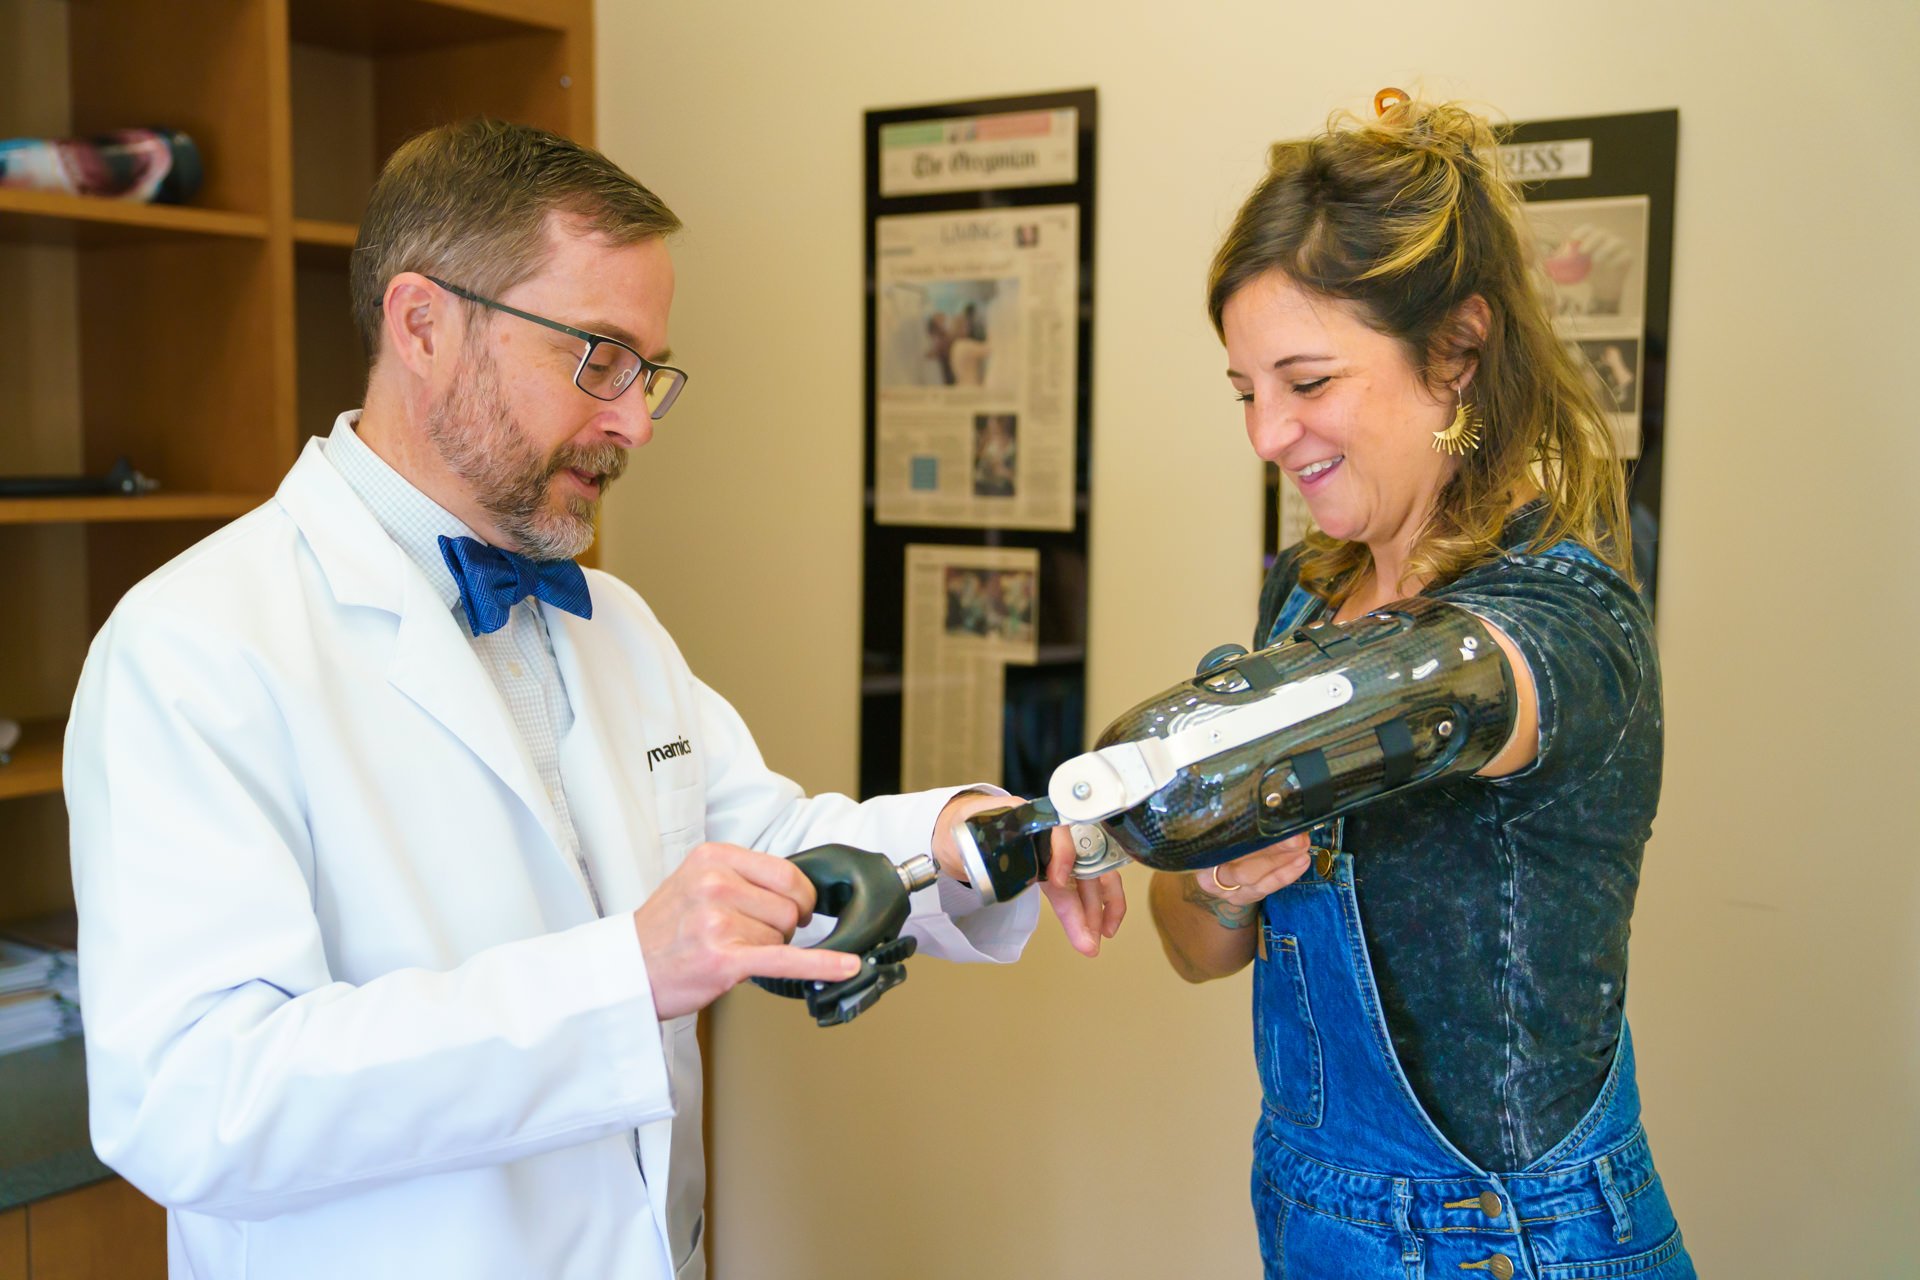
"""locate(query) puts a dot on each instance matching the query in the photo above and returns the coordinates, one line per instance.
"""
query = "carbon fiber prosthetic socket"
(1427, 694)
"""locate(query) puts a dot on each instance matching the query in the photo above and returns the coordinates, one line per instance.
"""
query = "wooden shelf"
(409, 26)
(323, 234)
(318, 243)
(48, 217)
(35, 770)
(109, 508)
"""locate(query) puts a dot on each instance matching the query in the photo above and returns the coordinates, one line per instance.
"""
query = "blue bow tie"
(492, 581)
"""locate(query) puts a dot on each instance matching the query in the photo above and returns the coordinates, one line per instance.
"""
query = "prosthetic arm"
(1253, 749)
(1260, 746)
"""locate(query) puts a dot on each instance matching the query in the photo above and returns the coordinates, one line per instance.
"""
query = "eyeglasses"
(609, 366)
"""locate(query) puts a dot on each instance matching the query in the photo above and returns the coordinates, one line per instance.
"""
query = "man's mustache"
(608, 461)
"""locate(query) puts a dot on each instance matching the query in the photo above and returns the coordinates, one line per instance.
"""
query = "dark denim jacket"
(1496, 912)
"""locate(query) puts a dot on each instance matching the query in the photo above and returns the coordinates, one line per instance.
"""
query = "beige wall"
(1062, 1118)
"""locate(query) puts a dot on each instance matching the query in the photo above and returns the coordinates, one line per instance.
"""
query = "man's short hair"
(469, 202)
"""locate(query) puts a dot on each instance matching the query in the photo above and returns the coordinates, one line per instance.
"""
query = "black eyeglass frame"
(593, 340)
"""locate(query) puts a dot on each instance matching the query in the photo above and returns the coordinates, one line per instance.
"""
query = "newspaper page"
(976, 361)
(969, 612)
(1593, 256)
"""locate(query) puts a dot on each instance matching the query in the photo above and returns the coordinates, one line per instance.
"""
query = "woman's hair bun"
(1444, 129)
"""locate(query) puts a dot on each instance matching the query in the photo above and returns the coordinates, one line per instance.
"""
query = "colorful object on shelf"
(9, 739)
(121, 478)
(152, 166)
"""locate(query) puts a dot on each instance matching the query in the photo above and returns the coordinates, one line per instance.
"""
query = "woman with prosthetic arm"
(1419, 811)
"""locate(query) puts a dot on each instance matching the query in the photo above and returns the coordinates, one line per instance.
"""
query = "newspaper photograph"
(1593, 260)
(969, 613)
(976, 358)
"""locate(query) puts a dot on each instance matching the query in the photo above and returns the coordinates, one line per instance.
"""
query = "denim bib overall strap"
(1351, 1176)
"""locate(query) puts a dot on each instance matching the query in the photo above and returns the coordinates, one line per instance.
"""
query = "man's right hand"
(724, 916)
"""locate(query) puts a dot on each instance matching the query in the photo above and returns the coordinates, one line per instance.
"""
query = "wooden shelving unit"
(204, 343)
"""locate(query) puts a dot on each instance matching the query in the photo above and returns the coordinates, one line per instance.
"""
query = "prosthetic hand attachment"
(1260, 746)
(870, 898)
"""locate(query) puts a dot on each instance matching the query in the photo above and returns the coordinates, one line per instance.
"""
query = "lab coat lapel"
(436, 667)
(612, 806)
(617, 820)
(433, 663)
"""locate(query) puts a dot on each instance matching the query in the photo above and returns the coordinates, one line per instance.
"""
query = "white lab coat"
(349, 1012)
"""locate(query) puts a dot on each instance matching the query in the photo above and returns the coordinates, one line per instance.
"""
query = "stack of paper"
(23, 967)
(39, 983)
(56, 936)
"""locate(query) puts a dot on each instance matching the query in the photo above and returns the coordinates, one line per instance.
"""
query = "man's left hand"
(1089, 910)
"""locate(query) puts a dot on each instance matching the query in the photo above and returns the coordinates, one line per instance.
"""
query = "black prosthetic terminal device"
(870, 899)
(1006, 850)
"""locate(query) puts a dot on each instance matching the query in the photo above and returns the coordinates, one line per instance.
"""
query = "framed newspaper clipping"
(979, 303)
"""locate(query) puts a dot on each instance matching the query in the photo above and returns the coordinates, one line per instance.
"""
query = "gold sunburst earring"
(1462, 435)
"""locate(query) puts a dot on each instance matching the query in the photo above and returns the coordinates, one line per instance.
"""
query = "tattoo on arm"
(1231, 915)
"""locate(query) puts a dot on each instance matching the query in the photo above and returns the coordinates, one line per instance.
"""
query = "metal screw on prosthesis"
(917, 872)
(1093, 854)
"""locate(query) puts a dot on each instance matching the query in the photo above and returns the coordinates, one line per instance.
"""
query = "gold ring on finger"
(1223, 888)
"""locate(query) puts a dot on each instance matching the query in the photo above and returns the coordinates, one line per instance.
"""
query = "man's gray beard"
(480, 442)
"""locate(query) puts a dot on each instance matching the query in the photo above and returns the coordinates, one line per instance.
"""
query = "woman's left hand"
(1246, 881)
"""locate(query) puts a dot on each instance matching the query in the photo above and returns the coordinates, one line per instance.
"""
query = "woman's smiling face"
(1339, 407)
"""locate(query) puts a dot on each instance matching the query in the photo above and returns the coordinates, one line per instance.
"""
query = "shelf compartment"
(35, 770)
(107, 508)
(365, 75)
(49, 217)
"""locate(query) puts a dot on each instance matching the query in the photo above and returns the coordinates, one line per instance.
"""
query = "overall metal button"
(1499, 1266)
(1490, 1204)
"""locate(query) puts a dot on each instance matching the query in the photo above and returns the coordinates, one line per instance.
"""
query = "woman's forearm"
(1205, 937)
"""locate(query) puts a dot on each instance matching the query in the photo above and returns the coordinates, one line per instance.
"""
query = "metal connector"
(917, 872)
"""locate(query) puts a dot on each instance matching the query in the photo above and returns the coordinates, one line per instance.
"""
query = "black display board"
(1043, 710)
(1607, 255)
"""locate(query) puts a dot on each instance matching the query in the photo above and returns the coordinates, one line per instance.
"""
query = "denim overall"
(1352, 1178)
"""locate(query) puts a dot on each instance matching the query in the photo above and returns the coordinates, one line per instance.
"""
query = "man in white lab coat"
(406, 852)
